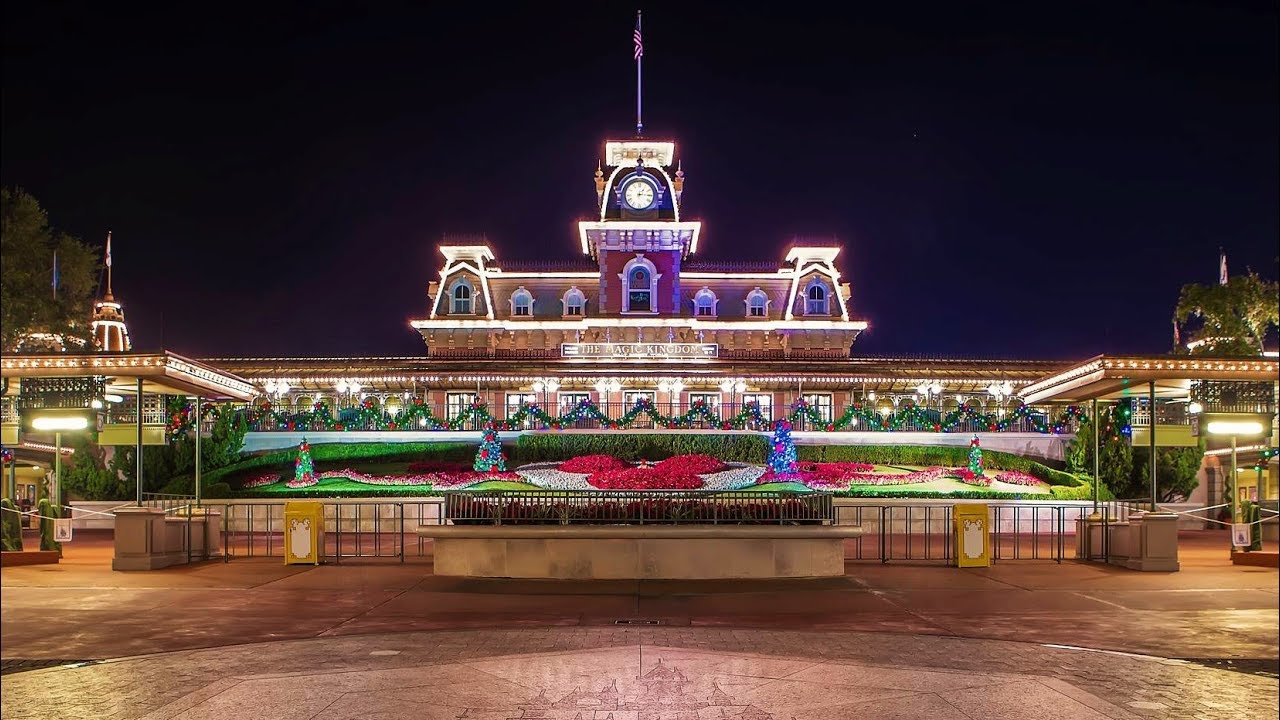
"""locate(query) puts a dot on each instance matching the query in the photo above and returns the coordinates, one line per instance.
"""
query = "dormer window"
(575, 303)
(639, 284)
(816, 297)
(461, 294)
(704, 303)
(757, 304)
(521, 303)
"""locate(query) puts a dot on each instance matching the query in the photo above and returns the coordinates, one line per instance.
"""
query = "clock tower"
(639, 240)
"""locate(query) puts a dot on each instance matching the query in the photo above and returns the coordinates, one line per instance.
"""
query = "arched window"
(639, 283)
(521, 303)
(704, 303)
(461, 294)
(815, 298)
(575, 303)
(757, 304)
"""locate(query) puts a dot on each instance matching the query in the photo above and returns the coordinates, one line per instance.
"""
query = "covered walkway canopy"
(1124, 376)
(118, 375)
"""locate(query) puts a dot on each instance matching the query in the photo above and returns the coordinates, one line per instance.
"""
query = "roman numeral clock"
(639, 195)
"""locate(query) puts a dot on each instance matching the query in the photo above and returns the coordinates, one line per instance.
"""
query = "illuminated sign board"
(646, 351)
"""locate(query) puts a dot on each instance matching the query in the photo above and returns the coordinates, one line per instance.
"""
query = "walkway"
(351, 630)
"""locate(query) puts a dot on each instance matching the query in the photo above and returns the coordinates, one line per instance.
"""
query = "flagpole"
(639, 61)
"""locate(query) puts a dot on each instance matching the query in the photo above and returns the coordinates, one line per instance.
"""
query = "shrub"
(12, 526)
(690, 465)
(46, 510)
(1051, 476)
(588, 464)
(217, 491)
(920, 455)
(283, 459)
(535, 447)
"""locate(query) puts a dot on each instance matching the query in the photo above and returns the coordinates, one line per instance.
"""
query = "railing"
(924, 532)
(929, 420)
(166, 501)
(126, 412)
(1168, 414)
(352, 528)
(675, 507)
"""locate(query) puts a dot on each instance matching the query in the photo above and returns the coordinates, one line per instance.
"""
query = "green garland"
(418, 416)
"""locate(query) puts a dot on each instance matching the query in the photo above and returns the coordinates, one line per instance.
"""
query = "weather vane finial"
(639, 54)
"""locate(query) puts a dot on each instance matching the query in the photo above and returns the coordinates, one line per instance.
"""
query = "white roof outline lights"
(820, 260)
(465, 257)
(616, 152)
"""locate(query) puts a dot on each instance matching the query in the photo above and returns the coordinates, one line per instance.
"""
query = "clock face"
(638, 194)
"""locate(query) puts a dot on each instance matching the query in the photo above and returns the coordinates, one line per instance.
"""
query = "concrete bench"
(651, 552)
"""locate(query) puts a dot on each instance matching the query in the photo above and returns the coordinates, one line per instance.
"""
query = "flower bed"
(453, 480)
(266, 478)
(691, 465)
(969, 477)
(839, 476)
(588, 464)
(438, 466)
(643, 478)
(1017, 477)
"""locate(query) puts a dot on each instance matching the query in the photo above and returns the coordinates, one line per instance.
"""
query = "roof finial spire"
(639, 54)
(107, 261)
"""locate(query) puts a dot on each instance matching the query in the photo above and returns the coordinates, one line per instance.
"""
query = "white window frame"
(456, 402)
(570, 400)
(654, 276)
(764, 309)
(701, 295)
(573, 292)
(765, 400)
(522, 293)
(629, 398)
(824, 403)
(826, 297)
(711, 398)
(453, 297)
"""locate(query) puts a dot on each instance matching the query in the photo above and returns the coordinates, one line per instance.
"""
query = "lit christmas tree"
(303, 469)
(489, 457)
(782, 457)
(975, 456)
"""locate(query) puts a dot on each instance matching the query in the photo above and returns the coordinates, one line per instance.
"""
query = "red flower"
(588, 464)
(643, 479)
(830, 427)
(690, 465)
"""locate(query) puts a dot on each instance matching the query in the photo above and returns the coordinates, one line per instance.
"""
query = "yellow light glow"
(60, 423)
(1246, 427)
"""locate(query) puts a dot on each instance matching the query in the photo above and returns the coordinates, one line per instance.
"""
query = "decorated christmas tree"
(975, 456)
(304, 472)
(489, 457)
(782, 456)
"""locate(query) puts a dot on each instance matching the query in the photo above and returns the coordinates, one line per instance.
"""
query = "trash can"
(303, 532)
(972, 528)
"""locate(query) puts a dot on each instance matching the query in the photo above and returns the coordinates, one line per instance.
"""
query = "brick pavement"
(134, 687)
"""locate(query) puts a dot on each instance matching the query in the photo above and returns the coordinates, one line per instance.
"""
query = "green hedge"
(373, 491)
(884, 493)
(337, 452)
(921, 455)
(12, 523)
(627, 446)
(1053, 477)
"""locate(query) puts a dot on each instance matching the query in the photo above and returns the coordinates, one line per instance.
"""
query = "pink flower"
(643, 479)
(587, 464)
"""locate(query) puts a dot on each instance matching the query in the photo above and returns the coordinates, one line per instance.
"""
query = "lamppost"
(672, 387)
(925, 389)
(1235, 426)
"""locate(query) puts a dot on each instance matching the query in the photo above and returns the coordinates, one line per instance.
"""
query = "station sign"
(641, 351)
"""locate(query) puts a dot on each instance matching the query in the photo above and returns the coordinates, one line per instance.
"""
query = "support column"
(1097, 432)
(138, 445)
(57, 472)
(1151, 406)
(198, 416)
(1235, 484)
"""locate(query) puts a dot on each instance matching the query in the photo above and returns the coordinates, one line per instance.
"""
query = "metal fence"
(916, 533)
(610, 507)
(925, 532)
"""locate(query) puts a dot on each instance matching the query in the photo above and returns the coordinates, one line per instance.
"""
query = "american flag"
(639, 42)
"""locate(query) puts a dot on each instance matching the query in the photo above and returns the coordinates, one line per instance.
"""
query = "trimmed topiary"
(12, 526)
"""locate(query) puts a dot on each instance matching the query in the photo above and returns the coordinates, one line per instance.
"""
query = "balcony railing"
(658, 415)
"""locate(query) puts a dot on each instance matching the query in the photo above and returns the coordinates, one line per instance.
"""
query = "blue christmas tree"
(489, 457)
(782, 456)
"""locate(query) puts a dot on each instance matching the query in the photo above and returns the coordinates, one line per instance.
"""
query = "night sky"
(1006, 181)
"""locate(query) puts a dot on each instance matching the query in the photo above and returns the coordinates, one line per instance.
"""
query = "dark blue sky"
(1006, 180)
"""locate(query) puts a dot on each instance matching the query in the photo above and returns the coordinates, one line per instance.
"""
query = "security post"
(972, 527)
(303, 532)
